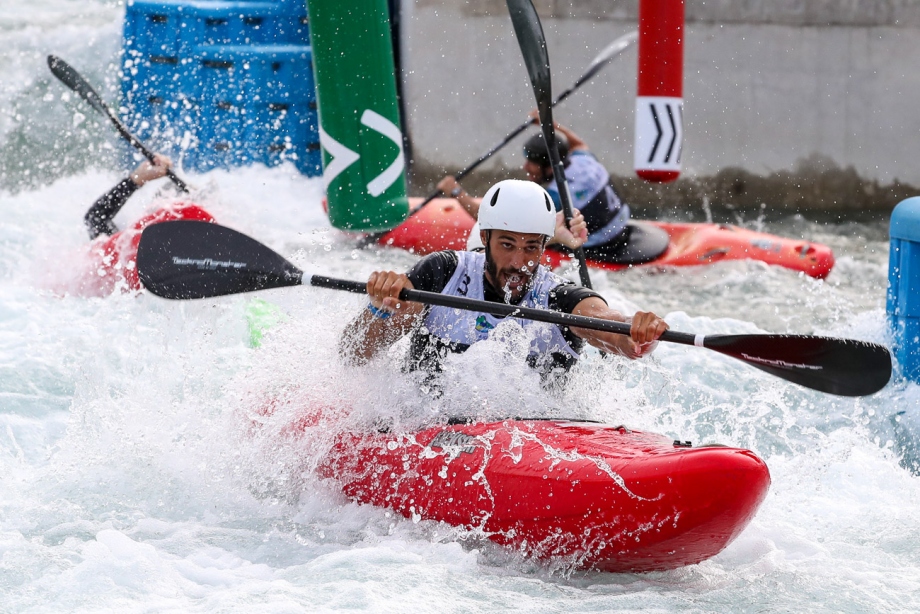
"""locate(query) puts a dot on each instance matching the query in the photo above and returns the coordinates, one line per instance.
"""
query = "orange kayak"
(444, 224)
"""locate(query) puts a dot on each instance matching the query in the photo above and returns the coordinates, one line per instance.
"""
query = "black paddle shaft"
(67, 75)
(185, 259)
(820, 363)
(533, 47)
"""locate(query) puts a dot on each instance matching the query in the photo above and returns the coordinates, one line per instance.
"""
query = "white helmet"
(474, 241)
(518, 206)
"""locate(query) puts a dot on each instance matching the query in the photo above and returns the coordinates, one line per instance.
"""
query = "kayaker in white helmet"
(594, 200)
(98, 219)
(516, 220)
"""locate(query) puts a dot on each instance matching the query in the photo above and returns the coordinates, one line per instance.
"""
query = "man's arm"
(98, 218)
(383, 322)
(386, 319)
(576, 143)
(451, 187)
(645, 329)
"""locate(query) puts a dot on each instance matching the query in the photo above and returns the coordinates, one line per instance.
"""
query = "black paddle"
(603, 58)
(75, 81)
(533, 47)
(188, 260)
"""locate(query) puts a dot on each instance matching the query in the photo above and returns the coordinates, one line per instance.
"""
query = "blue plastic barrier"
(903, 301)
(175, 27)
(161, 37)
(222, 83)
(286, 131)
(257, 104)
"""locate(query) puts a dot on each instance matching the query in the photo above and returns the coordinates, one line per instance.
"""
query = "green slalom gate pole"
(359, 127)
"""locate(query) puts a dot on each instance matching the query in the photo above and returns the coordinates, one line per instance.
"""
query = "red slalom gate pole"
(659, 92)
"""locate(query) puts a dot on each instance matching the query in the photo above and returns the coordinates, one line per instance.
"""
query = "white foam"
(131, 477)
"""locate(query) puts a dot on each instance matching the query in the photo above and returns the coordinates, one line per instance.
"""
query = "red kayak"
(444, 224)
(587, 495)
(110, 261)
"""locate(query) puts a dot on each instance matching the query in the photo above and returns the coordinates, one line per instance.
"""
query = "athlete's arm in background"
(98, 218)
(371, 332)
(148, 171)
(575, 142)
(451, 187)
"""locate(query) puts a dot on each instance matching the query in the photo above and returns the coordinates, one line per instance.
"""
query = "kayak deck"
(595, 496)
(444, 224)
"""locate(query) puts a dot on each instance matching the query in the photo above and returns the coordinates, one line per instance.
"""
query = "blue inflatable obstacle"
(219, 84)
(256, 104)
(903, 301)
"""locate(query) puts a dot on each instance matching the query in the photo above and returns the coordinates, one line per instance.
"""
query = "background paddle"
(188, 260)
(75, 81)
(600, 61)
(533, 47)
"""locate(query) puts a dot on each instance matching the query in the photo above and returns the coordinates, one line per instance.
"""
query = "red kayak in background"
(588, 495)
(110, 261)
(444, 224)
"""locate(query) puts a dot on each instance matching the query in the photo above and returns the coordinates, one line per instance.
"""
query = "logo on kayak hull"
(454, 443)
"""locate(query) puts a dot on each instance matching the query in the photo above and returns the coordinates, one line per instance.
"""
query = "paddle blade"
(185, 259)
(72, 79)
(530, 36)
(838, 366)
(604, 57)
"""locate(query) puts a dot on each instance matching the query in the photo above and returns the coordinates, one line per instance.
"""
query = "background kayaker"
(516, 220)
(594, 198)
(98, 219)
(571, 235)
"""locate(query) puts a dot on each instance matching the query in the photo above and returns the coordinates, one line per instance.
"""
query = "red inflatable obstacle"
(594, 496)
(659, 90)
(444, 224)
(110, 261)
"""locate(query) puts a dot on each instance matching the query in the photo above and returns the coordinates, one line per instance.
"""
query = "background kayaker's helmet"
(518, 206)
(474, 241)
(535, 149)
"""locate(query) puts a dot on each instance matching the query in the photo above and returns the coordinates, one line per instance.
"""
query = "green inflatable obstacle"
(363, 159)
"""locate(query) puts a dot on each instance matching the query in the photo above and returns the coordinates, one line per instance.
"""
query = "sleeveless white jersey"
(459, 326)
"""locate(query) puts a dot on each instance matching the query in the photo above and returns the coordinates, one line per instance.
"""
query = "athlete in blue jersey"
(589, 185)
(572, 235)
(516, 220)
(605, 215)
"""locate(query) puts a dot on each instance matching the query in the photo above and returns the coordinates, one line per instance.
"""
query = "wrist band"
(378, 313)
(456, 192)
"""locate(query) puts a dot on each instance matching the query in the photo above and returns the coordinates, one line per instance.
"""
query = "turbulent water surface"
(132, 477)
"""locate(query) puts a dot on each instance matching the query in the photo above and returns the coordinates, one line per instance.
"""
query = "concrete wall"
(767, 83)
